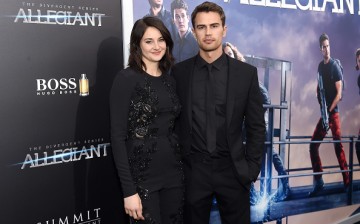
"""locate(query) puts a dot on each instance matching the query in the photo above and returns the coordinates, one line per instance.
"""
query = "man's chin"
(209, 49)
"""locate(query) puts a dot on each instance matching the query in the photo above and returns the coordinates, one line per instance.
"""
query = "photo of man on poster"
(185, 45)
(329, 93)
(157, 9)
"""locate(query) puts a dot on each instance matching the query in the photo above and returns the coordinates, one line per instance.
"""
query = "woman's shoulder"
(128, 73)
(126, 78)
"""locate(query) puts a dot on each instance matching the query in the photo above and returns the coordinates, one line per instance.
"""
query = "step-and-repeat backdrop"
(58, 60)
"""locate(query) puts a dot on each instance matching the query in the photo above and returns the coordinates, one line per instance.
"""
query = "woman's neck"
(153, 69)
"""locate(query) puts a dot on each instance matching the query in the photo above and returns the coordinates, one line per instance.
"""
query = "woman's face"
(229, 51)
(153, 46)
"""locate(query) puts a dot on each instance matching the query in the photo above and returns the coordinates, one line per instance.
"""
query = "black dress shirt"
(220, 78)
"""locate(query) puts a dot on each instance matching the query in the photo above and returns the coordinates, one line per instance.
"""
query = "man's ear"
(225, 30)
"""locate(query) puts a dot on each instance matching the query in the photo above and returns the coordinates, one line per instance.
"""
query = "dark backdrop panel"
(49, 169)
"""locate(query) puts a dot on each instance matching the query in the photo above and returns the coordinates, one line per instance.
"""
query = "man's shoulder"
(167, 13)
(183, 68)
(239, 64)
(335, 63)
(186, 64)
(189, 35)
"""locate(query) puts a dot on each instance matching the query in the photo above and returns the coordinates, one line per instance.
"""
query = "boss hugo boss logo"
(56, 86)
(62, 86)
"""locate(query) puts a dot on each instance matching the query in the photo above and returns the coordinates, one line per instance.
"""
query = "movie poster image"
(281, 38)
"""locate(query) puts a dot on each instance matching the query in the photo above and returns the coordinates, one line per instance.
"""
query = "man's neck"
(326, 60)
(155, 10)
(211, 56)
(182, 34)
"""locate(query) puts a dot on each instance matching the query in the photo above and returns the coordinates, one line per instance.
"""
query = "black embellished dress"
(143, 109)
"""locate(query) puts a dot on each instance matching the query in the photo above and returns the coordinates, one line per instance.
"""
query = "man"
(185, 45)
(157, 9)
(217, 92)
(330, 75)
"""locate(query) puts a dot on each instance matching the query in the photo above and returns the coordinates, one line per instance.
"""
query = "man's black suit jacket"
(243, 101)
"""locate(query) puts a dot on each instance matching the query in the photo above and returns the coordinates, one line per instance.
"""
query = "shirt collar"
(218, 63)
(178, 38)
(162, 12)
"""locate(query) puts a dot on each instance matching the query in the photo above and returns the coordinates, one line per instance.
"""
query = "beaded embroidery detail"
(143, 110)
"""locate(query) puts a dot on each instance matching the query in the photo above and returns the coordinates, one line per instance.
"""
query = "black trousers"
(207, 177)
(163, 207)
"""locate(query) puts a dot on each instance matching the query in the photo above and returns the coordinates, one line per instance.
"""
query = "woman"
(233, 52)
(143, 107)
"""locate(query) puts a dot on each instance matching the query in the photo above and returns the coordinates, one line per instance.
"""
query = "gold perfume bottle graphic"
(84, 85)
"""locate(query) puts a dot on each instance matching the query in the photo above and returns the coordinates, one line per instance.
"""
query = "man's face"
(325, 49)
(181, 20)
(209, 31)
(156, 2)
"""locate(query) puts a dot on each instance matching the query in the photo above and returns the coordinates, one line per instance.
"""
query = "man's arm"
(338, 96)
(255, 128)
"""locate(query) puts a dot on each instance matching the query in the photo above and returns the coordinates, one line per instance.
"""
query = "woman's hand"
(133, 207)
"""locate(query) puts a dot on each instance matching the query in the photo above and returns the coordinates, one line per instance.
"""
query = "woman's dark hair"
(135, 57)
(356, 58)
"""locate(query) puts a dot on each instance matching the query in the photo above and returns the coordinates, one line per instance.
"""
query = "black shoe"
(319, 186)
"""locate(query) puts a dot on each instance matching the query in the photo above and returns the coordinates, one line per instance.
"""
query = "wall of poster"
(281, 38)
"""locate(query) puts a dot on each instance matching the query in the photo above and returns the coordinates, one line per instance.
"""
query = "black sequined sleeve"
(120, 96)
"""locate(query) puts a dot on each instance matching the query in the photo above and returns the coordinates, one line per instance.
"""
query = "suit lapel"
(189, 92)
(231, 85)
